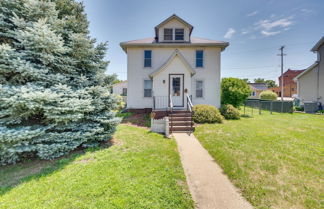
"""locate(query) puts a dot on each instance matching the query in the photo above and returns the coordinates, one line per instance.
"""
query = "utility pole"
(282, 78)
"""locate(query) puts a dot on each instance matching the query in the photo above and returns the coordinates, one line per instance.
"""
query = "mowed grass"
(276, 160)
(141, 170)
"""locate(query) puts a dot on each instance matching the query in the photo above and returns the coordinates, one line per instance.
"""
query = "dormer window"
(179, 34)
(168, 34)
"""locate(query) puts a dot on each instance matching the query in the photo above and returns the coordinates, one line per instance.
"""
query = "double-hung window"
(147, 88)
(199, 89)
(179, 34)
(168, 34)
(124, 92)
(147, 58)
(199, 58)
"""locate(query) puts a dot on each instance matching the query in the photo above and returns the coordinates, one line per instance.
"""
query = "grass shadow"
(12, 176)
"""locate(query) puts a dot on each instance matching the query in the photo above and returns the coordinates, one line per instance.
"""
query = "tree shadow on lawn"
(13, 175)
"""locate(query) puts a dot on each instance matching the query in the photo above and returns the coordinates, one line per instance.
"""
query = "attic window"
(179, 34)
(168, 34)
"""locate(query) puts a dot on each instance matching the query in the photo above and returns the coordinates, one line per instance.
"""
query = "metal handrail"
(171, 111)
(190, 108)
(189, 103)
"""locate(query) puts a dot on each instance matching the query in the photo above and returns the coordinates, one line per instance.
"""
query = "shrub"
(268, 95)
(299, 108)
(320, 112)
(234, 91)
(207, 114)
(229, 112)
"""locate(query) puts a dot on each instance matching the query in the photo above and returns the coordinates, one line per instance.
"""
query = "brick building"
(290, 86)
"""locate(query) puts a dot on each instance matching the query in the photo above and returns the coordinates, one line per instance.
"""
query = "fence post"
(260, 107)
(244, 107)
(271, 107)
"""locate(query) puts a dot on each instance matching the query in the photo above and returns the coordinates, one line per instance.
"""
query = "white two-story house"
(171, 66)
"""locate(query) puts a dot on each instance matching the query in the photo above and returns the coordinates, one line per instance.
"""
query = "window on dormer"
(168, 34)
(179, 34)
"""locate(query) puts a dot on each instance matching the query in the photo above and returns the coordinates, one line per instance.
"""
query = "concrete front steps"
(181, 121)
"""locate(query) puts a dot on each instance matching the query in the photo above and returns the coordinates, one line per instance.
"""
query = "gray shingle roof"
(259, 86)
(194, 41)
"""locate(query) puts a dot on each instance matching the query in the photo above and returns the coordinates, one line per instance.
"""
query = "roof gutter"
(124, 45)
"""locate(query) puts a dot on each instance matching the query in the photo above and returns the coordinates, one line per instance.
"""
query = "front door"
(176, 89)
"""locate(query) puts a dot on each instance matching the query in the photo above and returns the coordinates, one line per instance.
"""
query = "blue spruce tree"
(53, 97)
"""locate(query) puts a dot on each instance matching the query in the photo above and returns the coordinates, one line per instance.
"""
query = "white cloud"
(252, 13)
(269, 24)
(307, 11)
(230, 32)
(244, 31)
(270, 33)
(270, 27)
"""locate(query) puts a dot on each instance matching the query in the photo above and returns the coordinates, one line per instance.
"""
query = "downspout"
(318, 73)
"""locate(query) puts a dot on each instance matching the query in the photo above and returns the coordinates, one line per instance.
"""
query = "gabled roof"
(175, 54)
(310, 68)
(174, 16)
(258, 86)
(195, 41)
(318, 45)
(116, 84)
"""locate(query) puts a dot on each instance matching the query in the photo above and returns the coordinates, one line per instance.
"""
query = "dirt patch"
(116, 142)
(138, 120)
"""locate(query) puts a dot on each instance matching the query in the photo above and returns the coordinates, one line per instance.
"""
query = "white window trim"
(173, 33)
(203, 88)
(146, 79)
(203, 59)
(144, 58)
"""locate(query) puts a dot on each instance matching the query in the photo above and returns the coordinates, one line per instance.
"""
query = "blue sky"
(255, 29)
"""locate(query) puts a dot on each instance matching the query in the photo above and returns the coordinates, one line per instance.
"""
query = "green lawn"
(141, 170)
(276, 160)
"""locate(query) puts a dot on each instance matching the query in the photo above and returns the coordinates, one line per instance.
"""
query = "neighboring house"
(256, 89)
(311, 82)
(120, 89)
(289, 85)
(173, 64)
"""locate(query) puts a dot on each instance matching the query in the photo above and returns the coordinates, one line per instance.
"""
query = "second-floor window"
(148, 58)
(199, 58)
(179, 34)
(168, 34)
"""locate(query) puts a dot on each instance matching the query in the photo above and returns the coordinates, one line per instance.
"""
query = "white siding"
(136, 74)
(174, 24)
(321, 75)
(118, 88)
(311, 84)
(307, 85)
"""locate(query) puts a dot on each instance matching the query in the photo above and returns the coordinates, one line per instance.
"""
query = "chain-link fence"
(259, 105)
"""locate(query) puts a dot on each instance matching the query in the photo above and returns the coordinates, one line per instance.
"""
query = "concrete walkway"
(208, 185)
